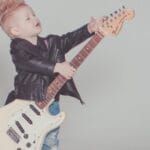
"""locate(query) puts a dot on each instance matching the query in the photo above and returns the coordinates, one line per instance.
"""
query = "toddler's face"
(27, 23)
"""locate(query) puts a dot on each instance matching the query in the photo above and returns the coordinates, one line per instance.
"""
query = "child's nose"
(35, 20)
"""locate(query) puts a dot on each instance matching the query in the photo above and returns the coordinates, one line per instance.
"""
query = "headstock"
(111, 25)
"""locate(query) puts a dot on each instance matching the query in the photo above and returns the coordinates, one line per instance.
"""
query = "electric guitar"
(23, 123)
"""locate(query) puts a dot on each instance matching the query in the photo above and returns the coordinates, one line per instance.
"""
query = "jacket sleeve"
(71, 39)
(24, 62)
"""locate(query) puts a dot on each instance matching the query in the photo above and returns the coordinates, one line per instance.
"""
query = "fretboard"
(59, 81)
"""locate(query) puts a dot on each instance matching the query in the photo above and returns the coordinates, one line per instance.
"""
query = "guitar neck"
(86, 50)
(59, 81)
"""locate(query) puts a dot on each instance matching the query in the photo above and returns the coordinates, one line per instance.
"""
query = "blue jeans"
(51, 141)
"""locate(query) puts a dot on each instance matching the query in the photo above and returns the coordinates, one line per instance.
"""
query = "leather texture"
(35, 64)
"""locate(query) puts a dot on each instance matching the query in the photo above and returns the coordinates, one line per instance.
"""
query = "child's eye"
(33, 14)
(28, 18)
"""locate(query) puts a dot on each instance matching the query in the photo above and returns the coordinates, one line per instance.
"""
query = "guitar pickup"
(13, 135)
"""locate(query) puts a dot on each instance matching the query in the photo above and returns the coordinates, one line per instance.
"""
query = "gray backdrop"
(114, 81)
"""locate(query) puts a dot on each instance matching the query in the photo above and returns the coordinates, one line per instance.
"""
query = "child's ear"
(15, 31)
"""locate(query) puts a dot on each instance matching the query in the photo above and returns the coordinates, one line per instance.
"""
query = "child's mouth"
(38, 24)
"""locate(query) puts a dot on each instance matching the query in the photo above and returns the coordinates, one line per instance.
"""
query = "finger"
(73, 69)
(70, 74)
(68, 77)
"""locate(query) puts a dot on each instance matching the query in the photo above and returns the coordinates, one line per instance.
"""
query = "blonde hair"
(6, 9)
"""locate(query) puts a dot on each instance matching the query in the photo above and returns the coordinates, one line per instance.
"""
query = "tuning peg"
(123, 7)
(105, 18)
(115, 12)
(120, 10)
(111, 15)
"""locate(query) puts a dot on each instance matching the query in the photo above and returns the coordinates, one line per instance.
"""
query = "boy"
(37, 64)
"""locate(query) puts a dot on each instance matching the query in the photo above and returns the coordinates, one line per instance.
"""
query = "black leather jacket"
(35, 64)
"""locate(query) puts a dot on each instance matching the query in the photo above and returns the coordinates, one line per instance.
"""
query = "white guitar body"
(23, 125)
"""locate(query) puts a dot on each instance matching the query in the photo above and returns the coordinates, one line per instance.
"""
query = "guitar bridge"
(13, 135)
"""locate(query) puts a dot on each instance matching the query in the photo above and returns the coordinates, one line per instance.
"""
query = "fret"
(51, 90)
(54, 86)
(77, 60)
(100, 35)
(97, 38)
(50, 94)
(61, 79)
(80, 57)
(57, 83)
(48, 98)
(44, 103)
(75, 63)
(83, 53)
(92, 43)
(88, 49)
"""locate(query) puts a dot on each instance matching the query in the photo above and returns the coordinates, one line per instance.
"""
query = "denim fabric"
(51, 141)
(54, 108)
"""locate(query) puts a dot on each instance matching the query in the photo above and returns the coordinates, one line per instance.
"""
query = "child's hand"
(65, 69)
(95, 25)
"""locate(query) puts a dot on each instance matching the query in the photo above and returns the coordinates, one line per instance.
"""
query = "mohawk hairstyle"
(7, 6)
